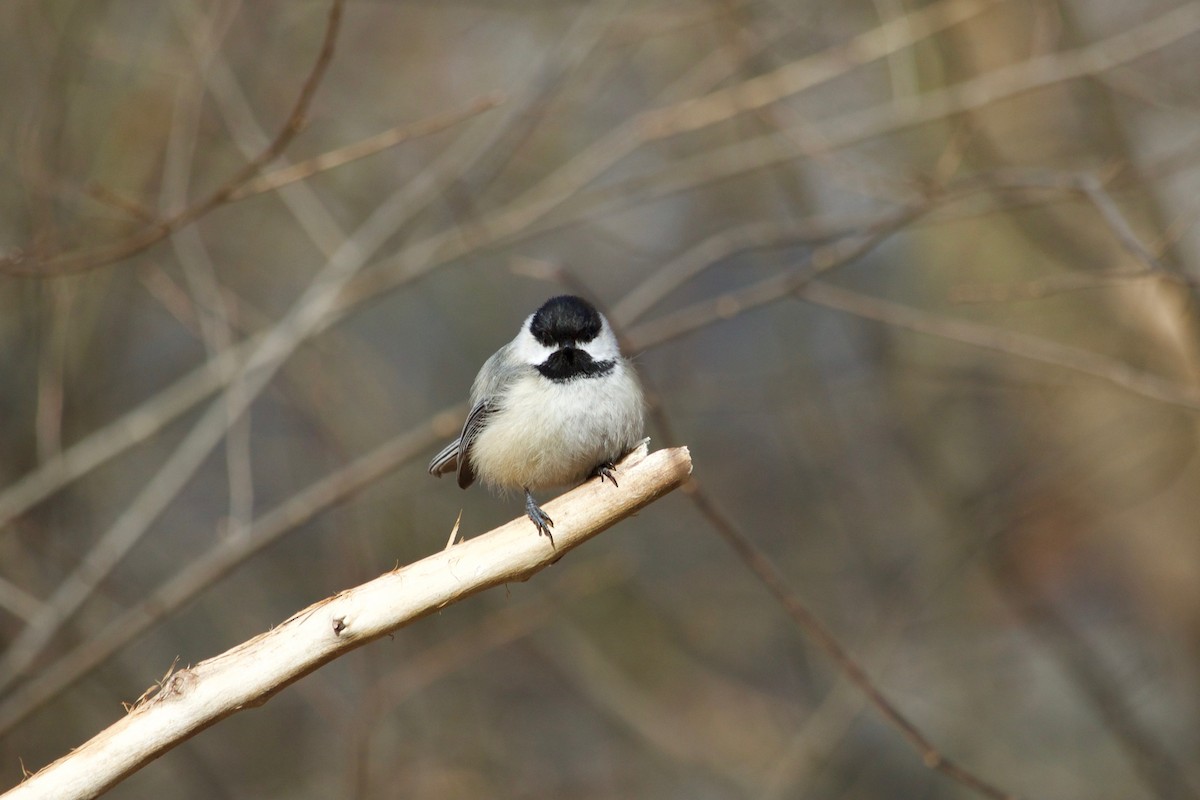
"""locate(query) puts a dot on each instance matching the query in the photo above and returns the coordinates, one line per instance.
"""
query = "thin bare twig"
(17, 601)
(655, 23)
(1058, 284)
(1093, 188)
(711, 251)
(763, 90)
(1029, 348)
(332, 159)
(33, 265)
(777, 287)
(127, 205)
(1153, 762)
(239, 115)
(816, 631)
(211, 315)
(51, 361)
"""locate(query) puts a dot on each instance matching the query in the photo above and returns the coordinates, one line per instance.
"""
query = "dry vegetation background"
(915, 283)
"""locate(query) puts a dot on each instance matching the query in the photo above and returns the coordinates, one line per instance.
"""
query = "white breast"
(554, 434)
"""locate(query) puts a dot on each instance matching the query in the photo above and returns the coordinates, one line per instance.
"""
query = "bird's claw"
(540, 519)
(605, 470)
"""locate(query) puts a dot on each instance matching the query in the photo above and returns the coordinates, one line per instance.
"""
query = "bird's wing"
(446, 460)
(471, 428)
(489, 385)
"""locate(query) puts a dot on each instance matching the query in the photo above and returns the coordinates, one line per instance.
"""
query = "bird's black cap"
(564, 320)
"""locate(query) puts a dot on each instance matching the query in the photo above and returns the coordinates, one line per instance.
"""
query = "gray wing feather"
(471, 428)
(446, 460)
(489, 384)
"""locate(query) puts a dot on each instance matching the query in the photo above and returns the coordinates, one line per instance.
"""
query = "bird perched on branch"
(553, 407)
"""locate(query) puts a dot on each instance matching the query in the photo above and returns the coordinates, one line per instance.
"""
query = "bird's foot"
(540, 519)
(605, 470)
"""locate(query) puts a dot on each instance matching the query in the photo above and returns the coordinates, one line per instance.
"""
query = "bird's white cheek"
(528, 350)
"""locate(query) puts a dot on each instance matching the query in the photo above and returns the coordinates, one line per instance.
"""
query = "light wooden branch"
(189, 700)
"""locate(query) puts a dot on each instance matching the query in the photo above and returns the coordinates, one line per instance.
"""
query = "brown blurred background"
(913, 282)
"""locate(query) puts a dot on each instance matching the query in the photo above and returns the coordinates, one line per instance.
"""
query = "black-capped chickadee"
(555, 406)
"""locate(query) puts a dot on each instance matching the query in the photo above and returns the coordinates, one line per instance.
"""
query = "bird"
(556, 406)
